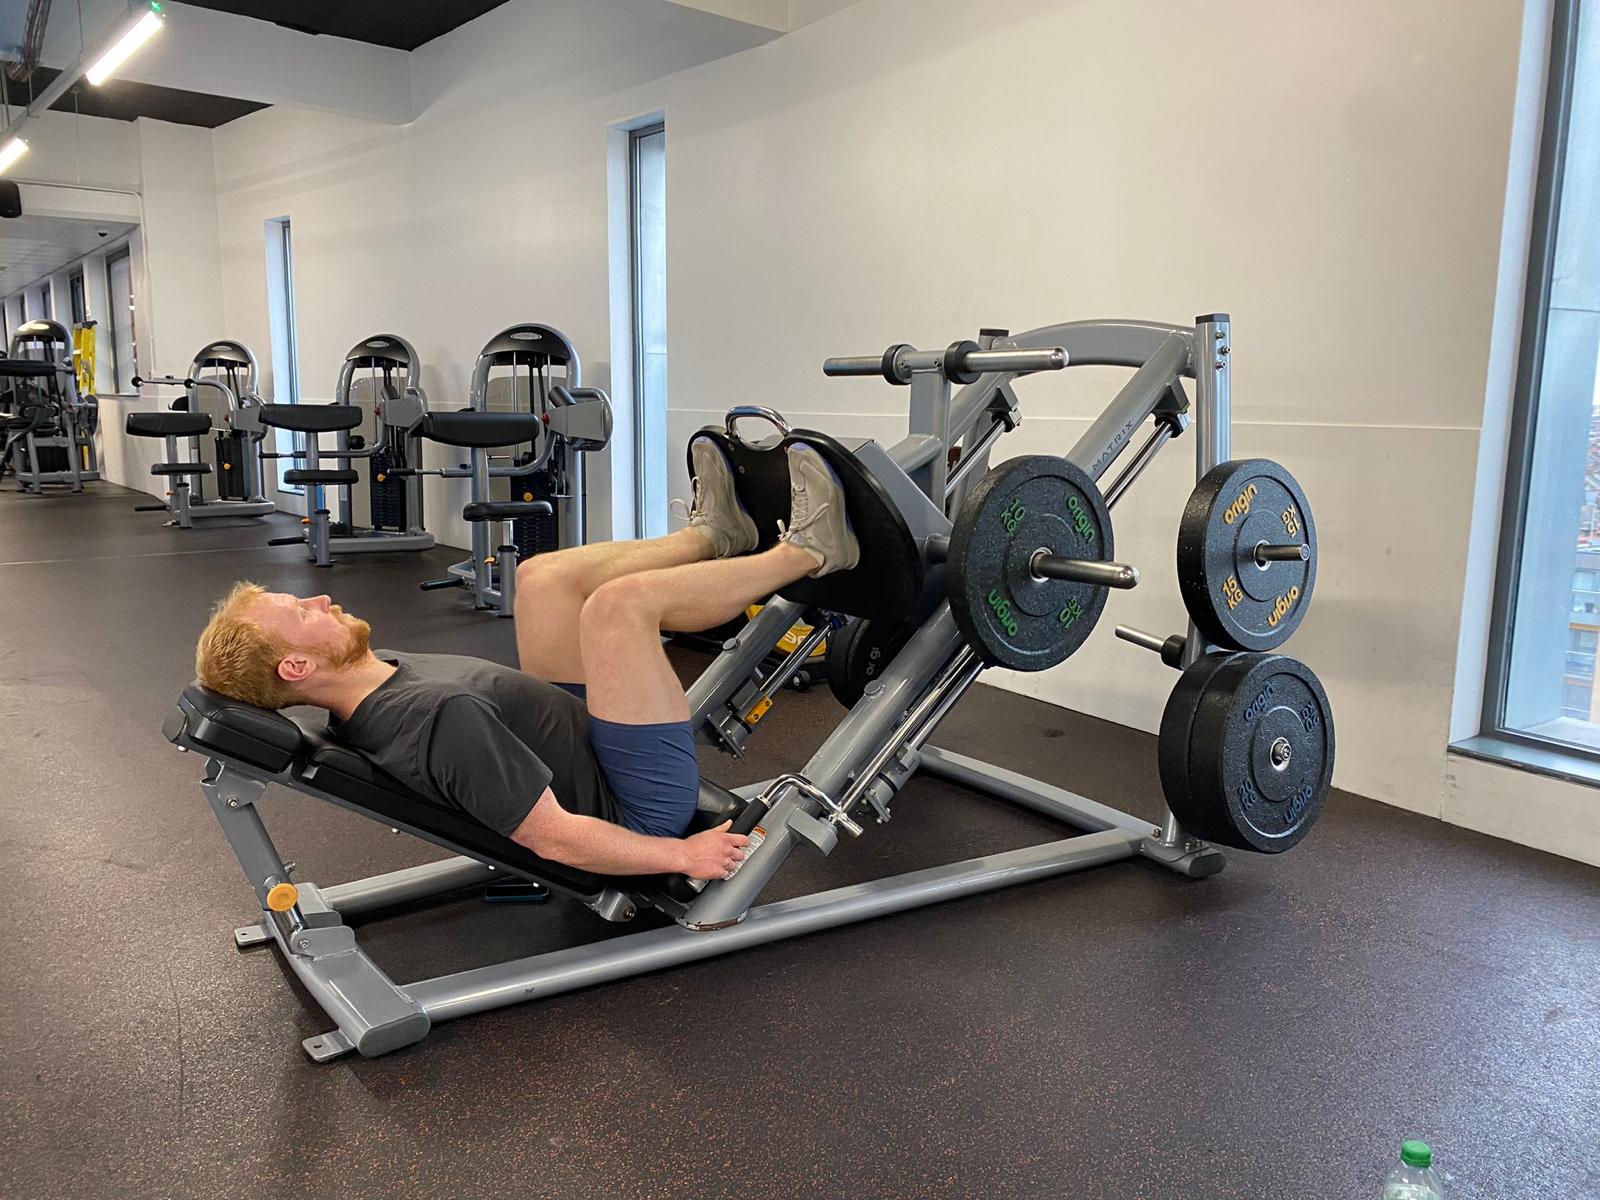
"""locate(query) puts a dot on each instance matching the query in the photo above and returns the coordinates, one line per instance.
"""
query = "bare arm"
(591, 844)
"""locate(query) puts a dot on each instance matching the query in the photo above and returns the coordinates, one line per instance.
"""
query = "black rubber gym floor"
(1121, 1033)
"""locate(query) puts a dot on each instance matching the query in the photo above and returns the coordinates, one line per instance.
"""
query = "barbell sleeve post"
(1053, 358)
(1293, 552)
(1170, 648)
(853, 364)
(938, 549)
(1045, 565)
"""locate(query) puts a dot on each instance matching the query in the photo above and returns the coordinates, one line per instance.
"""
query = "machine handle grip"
(754, 412)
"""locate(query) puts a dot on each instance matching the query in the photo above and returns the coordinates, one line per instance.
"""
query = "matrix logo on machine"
(378, 344)
(527, 335)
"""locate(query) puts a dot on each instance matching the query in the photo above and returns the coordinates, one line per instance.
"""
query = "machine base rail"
(374, 1015)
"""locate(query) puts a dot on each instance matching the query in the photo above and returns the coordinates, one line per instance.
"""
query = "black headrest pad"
(204, 720)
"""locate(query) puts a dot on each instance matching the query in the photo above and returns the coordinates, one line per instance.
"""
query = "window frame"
(122, 253)
(1556, 122)
(636, 310)
(78, 295)
(285, 376)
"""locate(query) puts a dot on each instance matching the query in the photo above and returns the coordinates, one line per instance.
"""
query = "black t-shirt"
(480, 736)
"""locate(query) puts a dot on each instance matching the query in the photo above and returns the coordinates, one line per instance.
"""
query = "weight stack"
(387, 499)
(53, 458)
(535, 535)
(231, 449)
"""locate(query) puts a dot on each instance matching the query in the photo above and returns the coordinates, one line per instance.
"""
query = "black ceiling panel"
(123, 101)
(403, 24)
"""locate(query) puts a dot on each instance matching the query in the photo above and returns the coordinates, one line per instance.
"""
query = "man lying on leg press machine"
(609, 790)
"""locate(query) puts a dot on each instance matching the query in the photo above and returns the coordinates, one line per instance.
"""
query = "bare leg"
(552, 588)
(630, 680)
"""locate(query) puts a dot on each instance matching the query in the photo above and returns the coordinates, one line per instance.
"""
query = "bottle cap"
(1416, 1154)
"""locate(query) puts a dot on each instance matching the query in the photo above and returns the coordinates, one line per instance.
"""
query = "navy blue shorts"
(652, 771)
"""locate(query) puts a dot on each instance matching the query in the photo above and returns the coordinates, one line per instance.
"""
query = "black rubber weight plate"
(1234, 601)
(864, 649)
(1012, 618)
(1260, 754)
(1177, 724)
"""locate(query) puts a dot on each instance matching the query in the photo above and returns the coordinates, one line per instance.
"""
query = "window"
(285, 350)
(80, 300)
(647, 166)
(1542, 658)
(119, 300)
(46, 307)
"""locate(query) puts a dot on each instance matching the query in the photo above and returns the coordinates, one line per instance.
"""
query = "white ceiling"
(32, 247)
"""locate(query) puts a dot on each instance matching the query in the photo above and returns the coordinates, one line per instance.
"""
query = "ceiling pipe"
(63, 83)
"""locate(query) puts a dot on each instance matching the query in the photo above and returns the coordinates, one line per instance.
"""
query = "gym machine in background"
(525, 370)
(1005, 567)
(221, 394)
(383, 372)
(49, 425)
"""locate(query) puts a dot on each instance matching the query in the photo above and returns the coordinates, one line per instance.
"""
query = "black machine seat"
(505, 510)
(323, 476)
(312, 418)
(188, 468)
(473, 429)
(26, 368)
(299, 752)
(887, 583)
(167, 424)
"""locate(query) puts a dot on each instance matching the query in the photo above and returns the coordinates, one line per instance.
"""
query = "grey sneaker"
(817, 520)
(717, 512)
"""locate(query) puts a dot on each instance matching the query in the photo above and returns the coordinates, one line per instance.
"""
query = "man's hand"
(714, 853)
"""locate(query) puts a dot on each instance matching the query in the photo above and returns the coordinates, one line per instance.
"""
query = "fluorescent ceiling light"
(140, 32)
(10, 152)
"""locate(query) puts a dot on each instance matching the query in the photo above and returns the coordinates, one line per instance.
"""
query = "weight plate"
(1260, 754)
(1177, 725)
(858, 653)
(1009, 616)
(1235, 600)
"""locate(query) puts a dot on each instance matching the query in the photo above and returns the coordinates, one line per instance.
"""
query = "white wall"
(1335, 178)
(488, 210)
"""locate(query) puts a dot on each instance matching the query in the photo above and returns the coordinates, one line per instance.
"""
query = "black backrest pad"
(471, 428)
(312, 418)
(887, 582)
(26, 368)
(255, 736)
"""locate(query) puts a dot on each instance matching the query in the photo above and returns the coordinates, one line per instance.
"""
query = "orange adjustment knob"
(227, 466)
(305, 520)
(527, 495)
(381, 478)
(489, 561)
(281, 897)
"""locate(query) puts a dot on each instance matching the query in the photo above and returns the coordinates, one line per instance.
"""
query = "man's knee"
(629, 599)
(543, 573)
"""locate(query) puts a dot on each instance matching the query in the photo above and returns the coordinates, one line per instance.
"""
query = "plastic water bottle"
(1413, 1179)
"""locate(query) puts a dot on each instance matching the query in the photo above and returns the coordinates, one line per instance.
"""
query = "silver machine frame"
(75, 419)
(879, 745)
(563, 448)
(399, 412)
(241, 412)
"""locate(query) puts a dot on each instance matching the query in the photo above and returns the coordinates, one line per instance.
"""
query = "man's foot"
(717, 513)
(817, 520)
